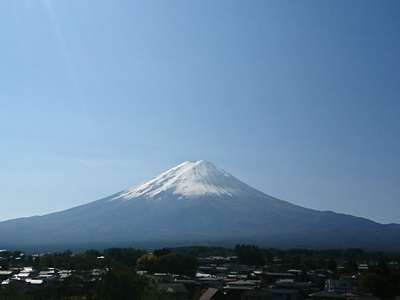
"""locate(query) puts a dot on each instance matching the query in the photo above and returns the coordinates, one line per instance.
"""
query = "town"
(245, 272)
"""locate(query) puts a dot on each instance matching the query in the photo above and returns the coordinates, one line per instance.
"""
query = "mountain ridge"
(196, 201)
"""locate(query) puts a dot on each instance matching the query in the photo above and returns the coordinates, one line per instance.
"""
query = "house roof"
(208, 294)
(5, 272)
(173, 288)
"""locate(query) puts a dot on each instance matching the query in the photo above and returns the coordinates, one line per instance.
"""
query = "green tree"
(250, 255)
(148, 262)
(177, 264)
(161, 252)
(126, 256)
(169, 263)
(121, 283)
(332, 265)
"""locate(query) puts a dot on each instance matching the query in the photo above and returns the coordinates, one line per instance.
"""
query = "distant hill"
(198, 203)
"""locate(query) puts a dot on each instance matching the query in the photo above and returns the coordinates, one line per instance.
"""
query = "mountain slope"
(195, 202)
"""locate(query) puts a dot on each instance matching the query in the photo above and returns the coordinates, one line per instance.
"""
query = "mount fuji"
(197, 203)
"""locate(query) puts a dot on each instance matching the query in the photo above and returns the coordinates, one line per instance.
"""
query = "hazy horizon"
(299, 100)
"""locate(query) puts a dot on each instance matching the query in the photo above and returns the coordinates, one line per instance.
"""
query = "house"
(257, 295)
(291, 289)
(5, 274)
(178, 290)
(212, 282)
(339, 286)
(286, 294)
(211, 294)
(337, 290)
(243, 284)
(270, 277)
(324, 295)
(235, 289)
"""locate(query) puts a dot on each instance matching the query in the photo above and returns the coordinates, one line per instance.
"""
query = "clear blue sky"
(300, 99)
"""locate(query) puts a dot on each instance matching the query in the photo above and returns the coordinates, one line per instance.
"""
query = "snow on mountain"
(189, 179)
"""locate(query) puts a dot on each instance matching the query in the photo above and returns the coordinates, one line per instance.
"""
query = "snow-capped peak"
(188, 179)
